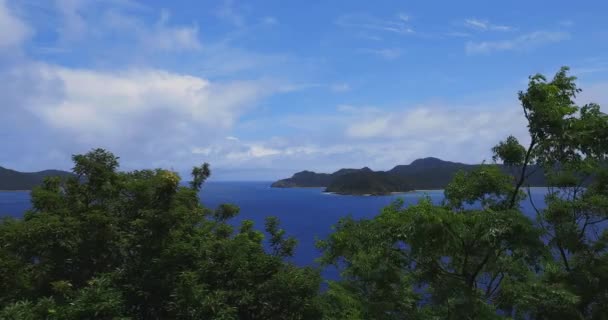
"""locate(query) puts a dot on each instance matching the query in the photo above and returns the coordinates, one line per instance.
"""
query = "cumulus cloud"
(124, 93)
(148, 116)
(109, 103)
(456, 124)
(357, 136)
(267, 153)
(522, 43)
(466, 133)
(142, 109)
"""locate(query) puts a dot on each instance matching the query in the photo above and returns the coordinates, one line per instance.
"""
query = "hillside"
(15, 180)
(426, 173)
(306, 179)
(366, 181)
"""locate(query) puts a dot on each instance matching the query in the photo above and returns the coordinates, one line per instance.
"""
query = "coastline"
(360, 194)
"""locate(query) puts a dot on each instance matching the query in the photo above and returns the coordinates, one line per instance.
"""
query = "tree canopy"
(138, 245)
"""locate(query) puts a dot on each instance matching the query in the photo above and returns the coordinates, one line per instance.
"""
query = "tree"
(477, 256)
(105, 244)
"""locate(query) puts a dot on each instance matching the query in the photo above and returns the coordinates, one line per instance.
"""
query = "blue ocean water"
(308, 213)
(14, 203)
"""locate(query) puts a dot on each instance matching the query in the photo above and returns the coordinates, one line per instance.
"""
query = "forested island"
(15, 180)
(421, 174)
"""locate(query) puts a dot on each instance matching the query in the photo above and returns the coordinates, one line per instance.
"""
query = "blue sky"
(261, 89)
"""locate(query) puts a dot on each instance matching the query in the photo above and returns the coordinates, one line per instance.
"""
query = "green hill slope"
(15, 180)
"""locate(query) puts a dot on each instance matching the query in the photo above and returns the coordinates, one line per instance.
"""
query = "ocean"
(307, 213)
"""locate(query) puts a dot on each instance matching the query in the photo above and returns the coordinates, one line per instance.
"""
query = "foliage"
(476, 255)
(104, 244)
(366, 181)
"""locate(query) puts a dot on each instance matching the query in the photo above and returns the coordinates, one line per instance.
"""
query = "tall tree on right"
(570, 143)
(477, 255)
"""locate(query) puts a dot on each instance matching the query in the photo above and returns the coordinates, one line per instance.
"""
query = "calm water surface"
(308, 214)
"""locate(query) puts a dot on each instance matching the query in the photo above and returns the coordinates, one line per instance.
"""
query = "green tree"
(105, 244)
(476, 255)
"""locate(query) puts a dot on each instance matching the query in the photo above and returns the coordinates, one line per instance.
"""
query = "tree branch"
(522, 177)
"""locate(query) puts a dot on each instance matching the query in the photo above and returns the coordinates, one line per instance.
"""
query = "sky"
(263, 89)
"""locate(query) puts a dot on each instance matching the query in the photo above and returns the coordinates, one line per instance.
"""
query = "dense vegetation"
(14, 180)
(366, 181)
(137, 245)
(421, 174)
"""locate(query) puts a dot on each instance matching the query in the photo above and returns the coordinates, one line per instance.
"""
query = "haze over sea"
(306, 213)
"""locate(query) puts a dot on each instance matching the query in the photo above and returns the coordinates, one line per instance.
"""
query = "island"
(11, 180)
(422, 174)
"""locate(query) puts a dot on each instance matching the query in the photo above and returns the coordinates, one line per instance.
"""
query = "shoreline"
(297, 187)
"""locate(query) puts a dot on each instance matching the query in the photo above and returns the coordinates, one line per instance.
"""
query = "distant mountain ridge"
(15, 180)
(425, 173)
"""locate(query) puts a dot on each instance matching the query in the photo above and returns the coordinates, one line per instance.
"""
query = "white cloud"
(385, 53)
(149, 117)
(521, 43)
(138, 108)
(485, 25)
(167, 37)
(246, 153)
(347, 108)
(256, 153)
(398, 25)
(261, 151)
(455, 123)
(109, 25)
(357, 136)
(202, 151)
(14, 31)
(161, 36)
(115, 104)
(458, 133)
